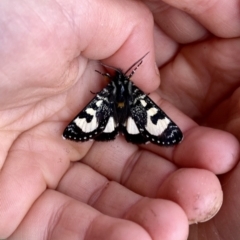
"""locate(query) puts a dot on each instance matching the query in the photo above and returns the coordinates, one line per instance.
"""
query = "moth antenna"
(138, 63)
(134, 70)
(103, 74)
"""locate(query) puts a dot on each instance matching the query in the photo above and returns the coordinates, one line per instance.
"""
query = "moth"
(123, 107)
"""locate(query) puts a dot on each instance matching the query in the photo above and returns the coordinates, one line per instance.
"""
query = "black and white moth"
(123, 107)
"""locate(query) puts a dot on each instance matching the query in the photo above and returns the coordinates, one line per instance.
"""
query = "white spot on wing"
(99, 103)
(132, 127)
(91, 111)
(143, 102)
(110, 127)
(152, 111)
(156, 129)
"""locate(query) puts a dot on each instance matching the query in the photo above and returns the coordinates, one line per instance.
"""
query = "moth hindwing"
(123, 107)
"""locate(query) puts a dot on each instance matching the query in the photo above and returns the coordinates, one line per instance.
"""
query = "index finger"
(202, 147)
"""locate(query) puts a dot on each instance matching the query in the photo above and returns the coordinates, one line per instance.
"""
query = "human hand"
(202, 80)
(46, 80)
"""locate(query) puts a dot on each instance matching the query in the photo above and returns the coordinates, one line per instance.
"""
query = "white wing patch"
(91, 111)
(87, 126)
(131, 126)
(110, 127)
(99, 103)
(156, 129)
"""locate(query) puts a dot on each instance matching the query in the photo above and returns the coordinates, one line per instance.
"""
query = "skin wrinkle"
(129, 213)
(55, 220)
(95, 196)
(130, 165)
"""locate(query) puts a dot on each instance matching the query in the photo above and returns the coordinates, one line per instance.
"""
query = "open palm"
(56, 189)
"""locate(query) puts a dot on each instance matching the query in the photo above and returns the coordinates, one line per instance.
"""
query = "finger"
(37, 160)
(157, 217)
(162, 218)
(143, 174)
(131, 42)
(114, 200)
(65, 218)
(208, 148)
(225, 221)
(165, 47)
(117, 159)
(220, 17)
(201, 147)
(197, 191)
(182, 80)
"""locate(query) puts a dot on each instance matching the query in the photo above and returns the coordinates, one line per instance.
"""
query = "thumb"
(121, 33)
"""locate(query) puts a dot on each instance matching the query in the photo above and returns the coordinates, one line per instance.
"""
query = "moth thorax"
(121, 96)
